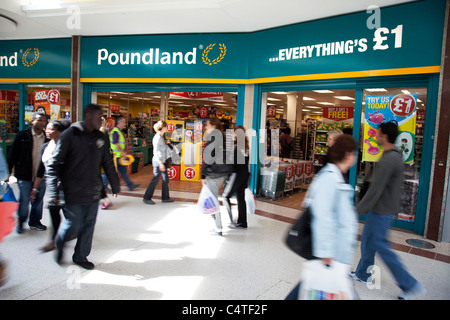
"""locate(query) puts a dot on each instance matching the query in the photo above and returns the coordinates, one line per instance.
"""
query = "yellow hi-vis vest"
(117, 151)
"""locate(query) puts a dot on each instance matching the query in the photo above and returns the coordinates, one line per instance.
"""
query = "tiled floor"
(165, 252)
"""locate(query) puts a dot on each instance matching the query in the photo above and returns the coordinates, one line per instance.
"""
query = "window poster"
(400, 108)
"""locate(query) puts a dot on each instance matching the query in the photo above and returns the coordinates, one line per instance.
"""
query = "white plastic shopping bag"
(207, 202)
(321, 282)
(250, 201)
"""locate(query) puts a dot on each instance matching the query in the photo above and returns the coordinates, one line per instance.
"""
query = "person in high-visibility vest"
(118, 145)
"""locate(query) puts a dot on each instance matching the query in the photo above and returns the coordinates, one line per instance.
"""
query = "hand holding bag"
(321, 282)
(207, 202)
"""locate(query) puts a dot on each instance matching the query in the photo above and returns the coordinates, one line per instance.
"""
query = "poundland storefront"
(340, 72)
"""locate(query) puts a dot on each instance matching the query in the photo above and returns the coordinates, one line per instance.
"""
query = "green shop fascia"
(400, 46)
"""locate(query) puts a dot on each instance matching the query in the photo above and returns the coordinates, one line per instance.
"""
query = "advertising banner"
(48, 102)
(400, 108)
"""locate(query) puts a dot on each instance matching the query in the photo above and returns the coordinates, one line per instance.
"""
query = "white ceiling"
(63, 18)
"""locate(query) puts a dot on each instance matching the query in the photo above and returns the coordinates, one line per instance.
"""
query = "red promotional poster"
(338, 113)
(203, 112)
(48, 102)
(173, 172)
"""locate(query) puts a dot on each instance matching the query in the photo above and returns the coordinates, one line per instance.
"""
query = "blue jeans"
(374, 240)
(124, 174)
(165, 183)
(80, 221)
(25, 188)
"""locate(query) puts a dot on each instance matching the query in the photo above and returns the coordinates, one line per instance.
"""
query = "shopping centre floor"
(164, 252)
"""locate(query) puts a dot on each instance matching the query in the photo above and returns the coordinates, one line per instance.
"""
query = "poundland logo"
(157, 56)
(29, 58)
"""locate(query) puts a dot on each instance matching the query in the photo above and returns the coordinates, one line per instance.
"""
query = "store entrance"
(185, 112)
(299, 125)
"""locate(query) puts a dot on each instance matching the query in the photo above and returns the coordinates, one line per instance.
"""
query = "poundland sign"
(152, 56)
(166, 56)
(35, 60)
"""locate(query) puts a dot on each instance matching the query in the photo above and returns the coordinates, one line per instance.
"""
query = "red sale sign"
(338, 113)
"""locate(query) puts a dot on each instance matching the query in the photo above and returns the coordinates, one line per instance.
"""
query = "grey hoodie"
(384, 193)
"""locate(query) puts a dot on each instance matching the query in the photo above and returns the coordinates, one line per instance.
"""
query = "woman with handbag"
(330, 201)
(161, 154)
(238, 181)
(53, 132)
(215, 168)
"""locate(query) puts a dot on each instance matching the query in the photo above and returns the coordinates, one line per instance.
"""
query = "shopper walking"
(4, 174)
(238, 181)
(330, 199)
(80, 153)
(161, 152)
(382, 201)
(52, 132)
(24, 158)
(214, 168)
(118, 147)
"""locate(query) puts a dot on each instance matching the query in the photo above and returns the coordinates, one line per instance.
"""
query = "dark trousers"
(237, 183)
(165, 183)
(80, 220)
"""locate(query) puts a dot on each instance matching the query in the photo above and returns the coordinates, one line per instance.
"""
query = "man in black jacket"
(77, 160)
(24, 157)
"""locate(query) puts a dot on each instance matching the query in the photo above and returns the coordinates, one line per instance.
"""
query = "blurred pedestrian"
(4, 174)
(106, 200)
(214, 168)
(81, 152)
(118, 147)
(382, 201)
(52, 132)
(161, 152)
(330, 199)
(238, 181)
(24, 158)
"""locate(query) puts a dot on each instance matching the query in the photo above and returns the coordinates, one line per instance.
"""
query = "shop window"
(9, 113)
(298, 127)
(51, 100)
(407, 107)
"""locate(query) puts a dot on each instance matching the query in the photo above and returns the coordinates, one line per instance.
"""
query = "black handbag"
(299, 238)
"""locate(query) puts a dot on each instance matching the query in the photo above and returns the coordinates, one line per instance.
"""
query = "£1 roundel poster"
(401, 109)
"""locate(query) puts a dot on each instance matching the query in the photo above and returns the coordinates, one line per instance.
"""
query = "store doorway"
(182, 111)
(298, 124)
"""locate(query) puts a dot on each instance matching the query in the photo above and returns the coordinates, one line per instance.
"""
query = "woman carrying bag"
(238, 181)
(330, 201)
(161, 152)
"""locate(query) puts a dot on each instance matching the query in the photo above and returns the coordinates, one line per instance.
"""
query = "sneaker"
(168, 200)
(134, 186)
(150, 201)
(38, 226)
(237, 226)
(84, 264)
(214, 232)
(417, 291)
(353, 276)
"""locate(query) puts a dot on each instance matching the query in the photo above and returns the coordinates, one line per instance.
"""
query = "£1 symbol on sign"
(189, 173)
(170, 127)
(171, 172)
(403, 105)
(53, 96)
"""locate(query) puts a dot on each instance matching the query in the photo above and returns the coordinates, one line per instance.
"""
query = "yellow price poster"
(399, 108)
